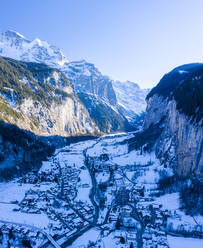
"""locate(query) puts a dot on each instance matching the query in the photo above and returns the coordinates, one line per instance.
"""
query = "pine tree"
(118, 224)
(122, 240)
(10, 235)
(9, 245)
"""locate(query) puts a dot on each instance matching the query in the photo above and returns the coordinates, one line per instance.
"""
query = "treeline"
(145, 139)
(20, 151)
(189, 97)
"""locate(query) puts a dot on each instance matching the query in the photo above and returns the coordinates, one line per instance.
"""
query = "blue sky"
(137, 40)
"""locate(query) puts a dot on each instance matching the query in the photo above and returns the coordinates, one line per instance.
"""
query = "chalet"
(147, 235)
(113, 217)
(131, 236)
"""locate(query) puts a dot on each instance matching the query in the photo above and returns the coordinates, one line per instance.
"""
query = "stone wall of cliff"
(180, 144)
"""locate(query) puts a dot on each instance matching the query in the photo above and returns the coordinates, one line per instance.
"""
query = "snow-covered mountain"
(97, 94)
(130, 98)
(92, 87)
(86, 78)
(16, 46)
(125, 97)
(40, 99)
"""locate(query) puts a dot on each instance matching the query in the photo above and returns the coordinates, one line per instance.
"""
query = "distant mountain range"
(131, 99)
(113, 105)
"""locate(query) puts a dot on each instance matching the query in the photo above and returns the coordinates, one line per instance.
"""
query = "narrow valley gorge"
(88, 161)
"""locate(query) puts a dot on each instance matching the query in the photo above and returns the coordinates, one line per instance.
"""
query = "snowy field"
(36, 220)
(13, 191)
(179, 242)
(169, 201)
(90, 236)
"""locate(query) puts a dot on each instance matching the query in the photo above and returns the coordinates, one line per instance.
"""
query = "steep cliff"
(97, 94)
(40, 99)
(86, 78)
(177, 103)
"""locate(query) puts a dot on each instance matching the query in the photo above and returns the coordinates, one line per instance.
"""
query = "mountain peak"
(16, 46)
(85, 76)
(127, 85)
(13, 34)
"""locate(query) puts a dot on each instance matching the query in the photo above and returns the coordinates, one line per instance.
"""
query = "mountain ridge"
(85, 77)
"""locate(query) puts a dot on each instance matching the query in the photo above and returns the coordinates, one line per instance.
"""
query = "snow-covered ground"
(185, 222)
(35, 220)
(90, 236)
(134, 157)
(169, 201)
(132, 170)
(180, 242)
(13, 191)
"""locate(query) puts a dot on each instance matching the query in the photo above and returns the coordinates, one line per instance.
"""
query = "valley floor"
(96, 194)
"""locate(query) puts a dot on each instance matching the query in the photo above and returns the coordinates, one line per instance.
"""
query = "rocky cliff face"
(40, 99)
(97, 94)
(86, 78)
(180, 144)
(177, 102)
(38, 109)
